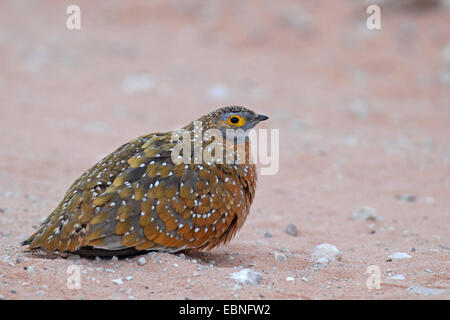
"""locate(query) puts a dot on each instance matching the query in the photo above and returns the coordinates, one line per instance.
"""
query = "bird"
(144, 197)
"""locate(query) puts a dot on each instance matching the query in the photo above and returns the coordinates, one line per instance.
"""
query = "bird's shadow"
(217, 259)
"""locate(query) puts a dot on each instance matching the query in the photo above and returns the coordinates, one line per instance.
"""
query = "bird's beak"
(261, 117)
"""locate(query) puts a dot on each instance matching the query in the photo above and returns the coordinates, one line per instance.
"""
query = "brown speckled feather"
(138, 199)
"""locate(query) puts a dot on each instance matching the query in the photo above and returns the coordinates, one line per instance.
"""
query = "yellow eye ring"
(236, 121)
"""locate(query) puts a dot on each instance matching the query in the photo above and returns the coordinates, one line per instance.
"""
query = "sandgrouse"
(144, 196)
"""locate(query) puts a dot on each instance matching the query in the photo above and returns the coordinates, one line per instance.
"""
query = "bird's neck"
(217, 146)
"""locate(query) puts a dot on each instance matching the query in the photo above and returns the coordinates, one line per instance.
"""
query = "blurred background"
(135, 67)
(364, 115)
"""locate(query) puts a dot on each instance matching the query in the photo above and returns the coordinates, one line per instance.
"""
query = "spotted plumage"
(141, 197)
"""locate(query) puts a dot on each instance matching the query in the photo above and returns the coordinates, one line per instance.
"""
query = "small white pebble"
(400, 255)
(365, 213)
(397, 277)
(424, 291)
(290, 279)
(142, 261)
(279, 256)
(246, 276)
(325, 253)
(429, 200)
(117, 281)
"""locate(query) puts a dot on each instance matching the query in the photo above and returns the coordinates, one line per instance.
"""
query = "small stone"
(291, 229)
(175, 265)
(360, 109)
(142, 261)
(114, 259)
(405, 198)
(424, 291)
(137, 82)
(365, 213)
(95, 127)
(325, 253)
(279, 256)
(429, 200)
(304, 279)
(73, 257)
(117, 281)
(285, 250)
(247, 276)
(195, 274)
(290, 279)
(399, 255)
(218, 92)
(267, 235)
(295, 18)
(397, 277)
(350, 141)
(129, 278)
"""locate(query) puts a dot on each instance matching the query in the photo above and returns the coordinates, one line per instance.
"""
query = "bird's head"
(232, 118)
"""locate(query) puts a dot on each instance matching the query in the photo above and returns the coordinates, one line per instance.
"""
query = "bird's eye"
(235, 120)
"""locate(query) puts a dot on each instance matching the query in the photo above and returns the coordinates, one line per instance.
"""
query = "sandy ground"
(364, 118)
